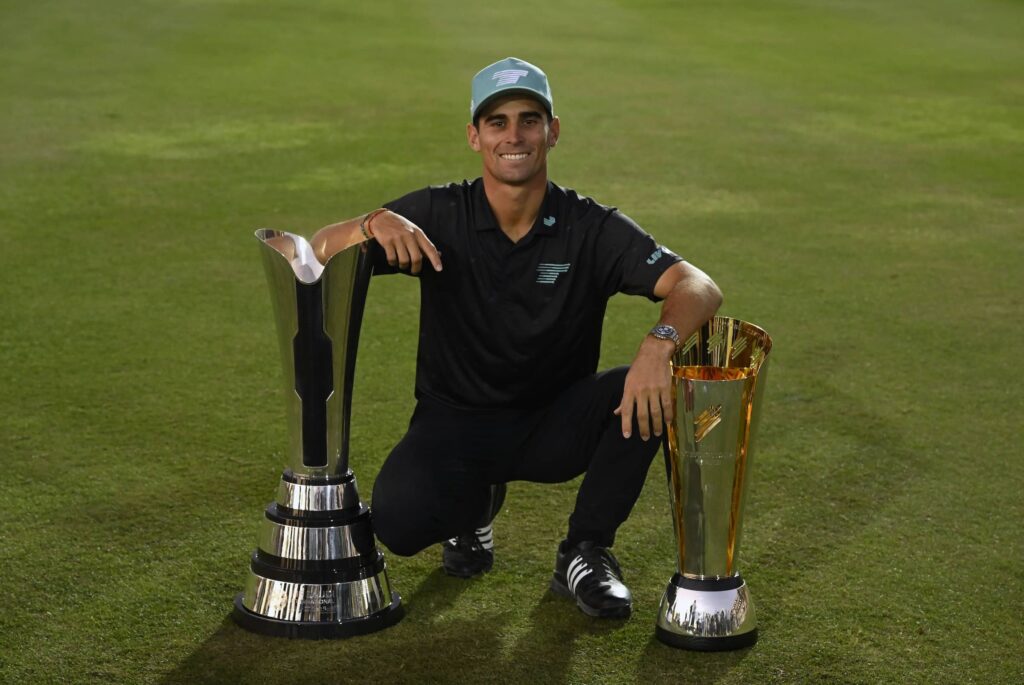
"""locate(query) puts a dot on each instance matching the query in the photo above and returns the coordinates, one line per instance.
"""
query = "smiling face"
(513, 135)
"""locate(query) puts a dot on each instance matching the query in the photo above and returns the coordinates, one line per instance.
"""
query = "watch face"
(665, 333)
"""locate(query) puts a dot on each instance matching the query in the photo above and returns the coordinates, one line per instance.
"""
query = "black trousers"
(436, 482)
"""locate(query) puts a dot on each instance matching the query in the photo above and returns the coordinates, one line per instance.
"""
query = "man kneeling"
(513, 295)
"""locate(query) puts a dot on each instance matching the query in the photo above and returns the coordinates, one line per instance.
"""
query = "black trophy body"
(317, 572)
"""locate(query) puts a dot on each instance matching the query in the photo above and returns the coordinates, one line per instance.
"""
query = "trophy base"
(707, 615)
(317, 630)
(706, 644)
(317, 572)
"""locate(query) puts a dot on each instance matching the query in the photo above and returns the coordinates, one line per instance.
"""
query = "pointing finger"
(429, 250)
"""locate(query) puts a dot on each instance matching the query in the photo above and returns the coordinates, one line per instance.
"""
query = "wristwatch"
(665, 332)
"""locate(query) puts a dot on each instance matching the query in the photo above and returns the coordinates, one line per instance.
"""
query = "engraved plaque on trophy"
(718, 383)
(317, 572)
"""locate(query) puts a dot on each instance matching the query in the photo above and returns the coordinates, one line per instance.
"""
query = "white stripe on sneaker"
(578, 570)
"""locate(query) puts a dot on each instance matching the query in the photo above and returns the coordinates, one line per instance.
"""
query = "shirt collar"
(484, 220)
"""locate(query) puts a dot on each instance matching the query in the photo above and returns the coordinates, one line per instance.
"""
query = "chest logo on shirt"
(549, 273)
(549, 221)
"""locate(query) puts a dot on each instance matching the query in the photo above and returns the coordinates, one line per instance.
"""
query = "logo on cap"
(507, 77)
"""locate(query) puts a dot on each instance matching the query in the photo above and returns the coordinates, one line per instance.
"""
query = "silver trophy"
(317, 572)
(718, 381)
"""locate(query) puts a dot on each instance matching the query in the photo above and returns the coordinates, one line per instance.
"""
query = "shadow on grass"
(415, 650)
(429, 645)
(547, 647)
(436, 593)
(663, 664)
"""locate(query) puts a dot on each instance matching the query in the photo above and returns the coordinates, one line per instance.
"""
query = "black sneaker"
(471, 554)
(590, 575)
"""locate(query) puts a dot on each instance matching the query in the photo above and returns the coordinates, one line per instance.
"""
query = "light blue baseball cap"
(510, 75)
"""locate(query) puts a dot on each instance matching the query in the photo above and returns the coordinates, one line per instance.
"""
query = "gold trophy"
(718, 382)
(317, 572)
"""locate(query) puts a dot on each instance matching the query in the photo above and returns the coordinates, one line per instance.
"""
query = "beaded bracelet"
(364, 225)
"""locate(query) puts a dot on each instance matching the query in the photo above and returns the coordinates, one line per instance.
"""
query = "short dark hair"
(544, 108)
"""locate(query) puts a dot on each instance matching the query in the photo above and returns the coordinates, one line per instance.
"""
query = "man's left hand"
(648, 389)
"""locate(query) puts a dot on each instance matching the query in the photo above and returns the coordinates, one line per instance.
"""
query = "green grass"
(849, 172)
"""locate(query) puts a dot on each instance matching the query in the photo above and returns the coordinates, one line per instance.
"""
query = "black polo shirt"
(512, 324)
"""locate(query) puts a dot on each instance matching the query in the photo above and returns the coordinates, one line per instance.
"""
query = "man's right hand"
(405, 244)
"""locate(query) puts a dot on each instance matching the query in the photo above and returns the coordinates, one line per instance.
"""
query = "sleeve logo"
(656, 255)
